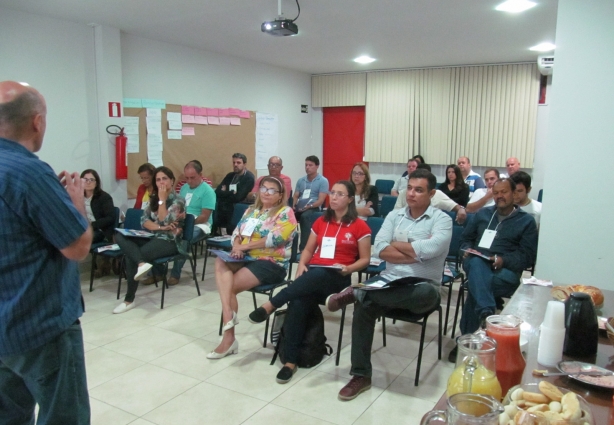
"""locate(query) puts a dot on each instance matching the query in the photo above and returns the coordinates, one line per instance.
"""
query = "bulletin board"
(212, 145)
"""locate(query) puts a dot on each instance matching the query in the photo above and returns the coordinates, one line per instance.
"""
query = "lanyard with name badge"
(403, 235)
(489, 235)
(328, 244)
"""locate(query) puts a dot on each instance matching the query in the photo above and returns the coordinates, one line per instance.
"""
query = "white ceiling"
(398, 33)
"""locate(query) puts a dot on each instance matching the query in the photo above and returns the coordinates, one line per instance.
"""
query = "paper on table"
(235, 121)
(224, 121)
(131, 125)
(200, 111)
(175, 125)
(173, 116)
(154, 143)
(187, 110)
(534, 281)
(213, 120)
(133, 143)
(154, 125)
(187, 119)
(154, 112)
(154, 103)
(187, 131)
(174, 134)
(200, 120)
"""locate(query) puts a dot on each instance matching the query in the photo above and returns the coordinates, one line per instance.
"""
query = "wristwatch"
(160, 202)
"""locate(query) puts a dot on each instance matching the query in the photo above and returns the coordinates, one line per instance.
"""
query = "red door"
(344, 134)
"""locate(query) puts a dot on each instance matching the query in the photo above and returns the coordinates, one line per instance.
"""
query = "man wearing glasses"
(275, 166)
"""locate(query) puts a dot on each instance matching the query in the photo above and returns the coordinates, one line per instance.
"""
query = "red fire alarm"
(115, 109)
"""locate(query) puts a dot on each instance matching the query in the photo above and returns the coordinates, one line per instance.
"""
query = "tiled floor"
(148, 366)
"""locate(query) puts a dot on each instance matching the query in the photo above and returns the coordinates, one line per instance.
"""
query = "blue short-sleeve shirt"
(40, 293)
(318, 185)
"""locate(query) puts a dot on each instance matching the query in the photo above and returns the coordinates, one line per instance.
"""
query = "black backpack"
(314, 346)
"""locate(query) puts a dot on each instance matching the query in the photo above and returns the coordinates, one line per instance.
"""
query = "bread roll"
(561, 293)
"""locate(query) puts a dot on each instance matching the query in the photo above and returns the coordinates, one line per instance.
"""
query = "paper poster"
(174, 134)
(154, 143)
(235, 121)
(154, 125)
(200, 111)
(245, 114)
(213, 120)
(200, 120)
(187, 110)
(266, 138)
(187, 131)
(131, 125)
(173, 116)
(224, 121)
(187, 119)
(132, 103)
(234, 111)
(154, 103)
(175, 125)
(133, 143)
(212, 112)
(223, 112)
(154, 112)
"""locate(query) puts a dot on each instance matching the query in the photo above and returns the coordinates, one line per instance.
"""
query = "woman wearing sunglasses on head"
(265, 234)
(338, 239)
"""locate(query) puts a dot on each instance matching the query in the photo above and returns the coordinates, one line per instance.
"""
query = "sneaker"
(452, 355)
(172, 281)
(151, 280)
(285, 374)
(142, 270)
(357, 385)
(258, 316)
(336, 302)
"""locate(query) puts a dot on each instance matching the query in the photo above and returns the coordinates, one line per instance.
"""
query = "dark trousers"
(373, 304)
(52, 376)
(139, 250)
(305, 294)
(484, 285)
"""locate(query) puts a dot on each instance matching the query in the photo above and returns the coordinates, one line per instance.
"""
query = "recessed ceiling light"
(364, 59)
(516, 6)
(543, 47)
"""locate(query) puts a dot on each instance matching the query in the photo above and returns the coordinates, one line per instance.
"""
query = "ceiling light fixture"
(516, 6)
(364, 59)
(543, 47)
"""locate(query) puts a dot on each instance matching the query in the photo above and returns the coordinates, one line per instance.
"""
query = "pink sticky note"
(234, 111)
(213, 120)
(187, 131)
(200, 111)
(212, 112)
(235, 121)
(244, 114)
(187, 110)
(224, 121)
(224, 112)
(200, 120)
(187, 119)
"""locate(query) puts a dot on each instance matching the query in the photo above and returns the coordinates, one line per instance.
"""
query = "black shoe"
(483, 319)
(285, 374)
(258, 316)
(452, 355)
(500, 303)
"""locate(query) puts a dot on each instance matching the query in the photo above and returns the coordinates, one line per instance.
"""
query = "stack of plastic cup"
(552, 336)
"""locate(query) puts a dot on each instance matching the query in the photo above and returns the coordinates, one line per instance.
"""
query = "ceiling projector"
(280, 27)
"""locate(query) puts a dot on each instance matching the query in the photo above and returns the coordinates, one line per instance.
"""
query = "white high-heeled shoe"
(231, 323)
(233, 349)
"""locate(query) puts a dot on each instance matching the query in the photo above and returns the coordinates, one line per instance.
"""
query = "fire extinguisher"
(121, 161)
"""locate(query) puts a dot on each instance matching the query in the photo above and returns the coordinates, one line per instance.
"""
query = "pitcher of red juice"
(505, 329)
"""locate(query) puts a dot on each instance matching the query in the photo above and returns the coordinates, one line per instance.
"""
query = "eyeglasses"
(269, 190)
(337, 195)
(92, 180)
(272, 165)
(358, 173)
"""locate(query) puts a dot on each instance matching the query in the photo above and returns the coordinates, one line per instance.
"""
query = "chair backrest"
(457, 232)
(387, 205)
(375, 224)
(133, 219)
(384, 187)
(188, 227)
(237, 213)
(117, 212)
(540, 195)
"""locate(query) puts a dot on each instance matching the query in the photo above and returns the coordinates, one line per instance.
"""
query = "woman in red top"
(339, 239)
(146, 173)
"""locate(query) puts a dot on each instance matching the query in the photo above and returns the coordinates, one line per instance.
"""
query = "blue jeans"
(178, 264)
(52, 376)
(484, 285)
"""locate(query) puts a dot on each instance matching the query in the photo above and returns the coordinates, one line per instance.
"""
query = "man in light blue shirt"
(308, 197)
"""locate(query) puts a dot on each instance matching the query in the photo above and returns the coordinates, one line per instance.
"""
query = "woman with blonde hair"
(367, 197)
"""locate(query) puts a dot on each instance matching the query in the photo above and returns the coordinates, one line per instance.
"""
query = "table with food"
(548, 359)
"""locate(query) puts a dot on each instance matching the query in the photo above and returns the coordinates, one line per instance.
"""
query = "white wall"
(57, 58)
(576, 227)
(181, 75)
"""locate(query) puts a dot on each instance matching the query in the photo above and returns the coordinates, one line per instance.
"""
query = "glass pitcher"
(466, 409)
(475, 367)
(505, 329)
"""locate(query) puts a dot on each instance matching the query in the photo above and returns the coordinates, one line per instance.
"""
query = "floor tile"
(149, 344)
(272, 414)
(206, 403)
(102, 365)
(395, 408)
(424, 391)
(104, 414)
(194, 322)
(143, 389)
(112, 328)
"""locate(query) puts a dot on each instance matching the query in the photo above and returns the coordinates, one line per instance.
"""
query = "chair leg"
(384, 330)
(340, 336)
(445, 328)
(122, 266)
(439, 335)
(164, 285)
(193, 265)
(419, 363)
(266, 324)
(221, 322)
(92, 271)
(460, 301)
(205, 264)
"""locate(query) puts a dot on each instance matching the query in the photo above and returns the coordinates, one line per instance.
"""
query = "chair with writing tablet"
(387, 205)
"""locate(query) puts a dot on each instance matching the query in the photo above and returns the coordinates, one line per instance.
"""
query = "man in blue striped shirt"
(44, 231)
(414, 242)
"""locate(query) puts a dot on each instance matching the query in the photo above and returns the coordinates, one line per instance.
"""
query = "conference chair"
(296, 256)
(375, 224)
(384, 187)
(453, 266)
(540, 195)
(110, 254)
(387, 205)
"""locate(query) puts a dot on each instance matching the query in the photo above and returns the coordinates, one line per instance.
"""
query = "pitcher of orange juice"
(475, 370)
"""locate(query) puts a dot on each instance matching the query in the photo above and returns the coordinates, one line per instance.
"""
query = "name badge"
(188, 199)
(232, 188)
(487, 238)
(249, 226)
(144, 204)
(401, 235)
(328, 248)
(306, 194)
